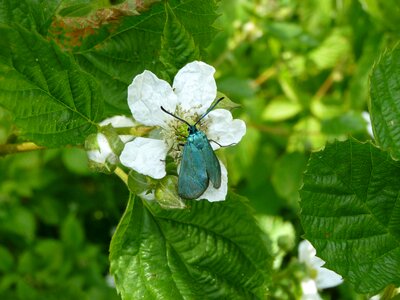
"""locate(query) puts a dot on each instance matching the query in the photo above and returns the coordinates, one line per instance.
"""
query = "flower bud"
(103, 149)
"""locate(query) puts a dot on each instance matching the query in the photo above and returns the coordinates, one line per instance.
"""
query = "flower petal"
(307, 254)
(309, 290)
(146, 156)
(223, 129)
(327, 278)
(195, 87)
(146, 94)
(118, 121)
(214, 195)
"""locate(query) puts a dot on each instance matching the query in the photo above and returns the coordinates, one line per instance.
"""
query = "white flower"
(120, 122)
(193, 91)
(319, 277)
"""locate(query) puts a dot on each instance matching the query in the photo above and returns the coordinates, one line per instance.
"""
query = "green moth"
(199, 164)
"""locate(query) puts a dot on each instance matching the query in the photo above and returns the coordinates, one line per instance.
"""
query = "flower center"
(176, 132)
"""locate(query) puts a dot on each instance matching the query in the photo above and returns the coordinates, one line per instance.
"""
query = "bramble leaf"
(177, 46)
(125, 47)
(52, 100)
(350, 211)
(385, 101)
(36, 15)
(206, 251)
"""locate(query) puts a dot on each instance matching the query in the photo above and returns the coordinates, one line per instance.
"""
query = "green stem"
(121, 174)
(135, 131)
(389, 292)
(18, 148)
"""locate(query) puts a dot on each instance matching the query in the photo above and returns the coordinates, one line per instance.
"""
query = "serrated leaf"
(385, 101)
(351, 213)
(177, 46)
(51, 99)
(207, 251)
(118, 51)
(34, 15)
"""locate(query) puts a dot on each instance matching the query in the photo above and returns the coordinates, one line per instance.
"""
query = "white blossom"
(193, 91)
(319, 277)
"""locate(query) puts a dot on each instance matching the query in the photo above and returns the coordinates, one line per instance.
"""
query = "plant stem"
(389, 292)
(17, 148)
(121, 174)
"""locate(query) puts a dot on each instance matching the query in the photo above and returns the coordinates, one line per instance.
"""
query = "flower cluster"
(319, 277)
(191, 94)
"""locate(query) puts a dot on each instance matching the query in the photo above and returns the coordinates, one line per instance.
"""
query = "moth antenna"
(222, 146)
(176, 117)
(208, 110)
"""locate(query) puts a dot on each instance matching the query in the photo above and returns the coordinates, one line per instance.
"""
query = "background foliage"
(300, 71)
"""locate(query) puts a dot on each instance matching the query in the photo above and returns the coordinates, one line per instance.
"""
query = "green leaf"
(120, 50)
(18, 221)
(177, 45)
(52, 100)
(287, 176)
(36, 15)
(79, 8)
(6, 260)
(166, 193)
(207, 251)
(72, 233)
(347, 123)
(334, 49)
(351, 213)
(385, 101)
(387, 12)
(138, 183)
(281, 109)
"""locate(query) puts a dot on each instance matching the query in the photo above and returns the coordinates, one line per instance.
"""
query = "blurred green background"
(300, 71)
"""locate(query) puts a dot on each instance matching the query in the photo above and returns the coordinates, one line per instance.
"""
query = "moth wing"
(193, 179)
(213, 168)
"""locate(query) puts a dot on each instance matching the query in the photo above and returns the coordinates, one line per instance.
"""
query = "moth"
(199, 164)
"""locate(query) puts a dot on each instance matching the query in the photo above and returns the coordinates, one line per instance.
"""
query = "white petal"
(309, 289)
(306, 251)
(327, 278)
(214, 195)
(146, 94)
(146, 156)
(366, 116)
(223, 129)
(148, 195)
(195, 87)
(104, 152)
(119, 122)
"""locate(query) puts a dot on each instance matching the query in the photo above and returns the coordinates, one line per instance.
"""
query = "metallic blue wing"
(193, 178)
(211, 161)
